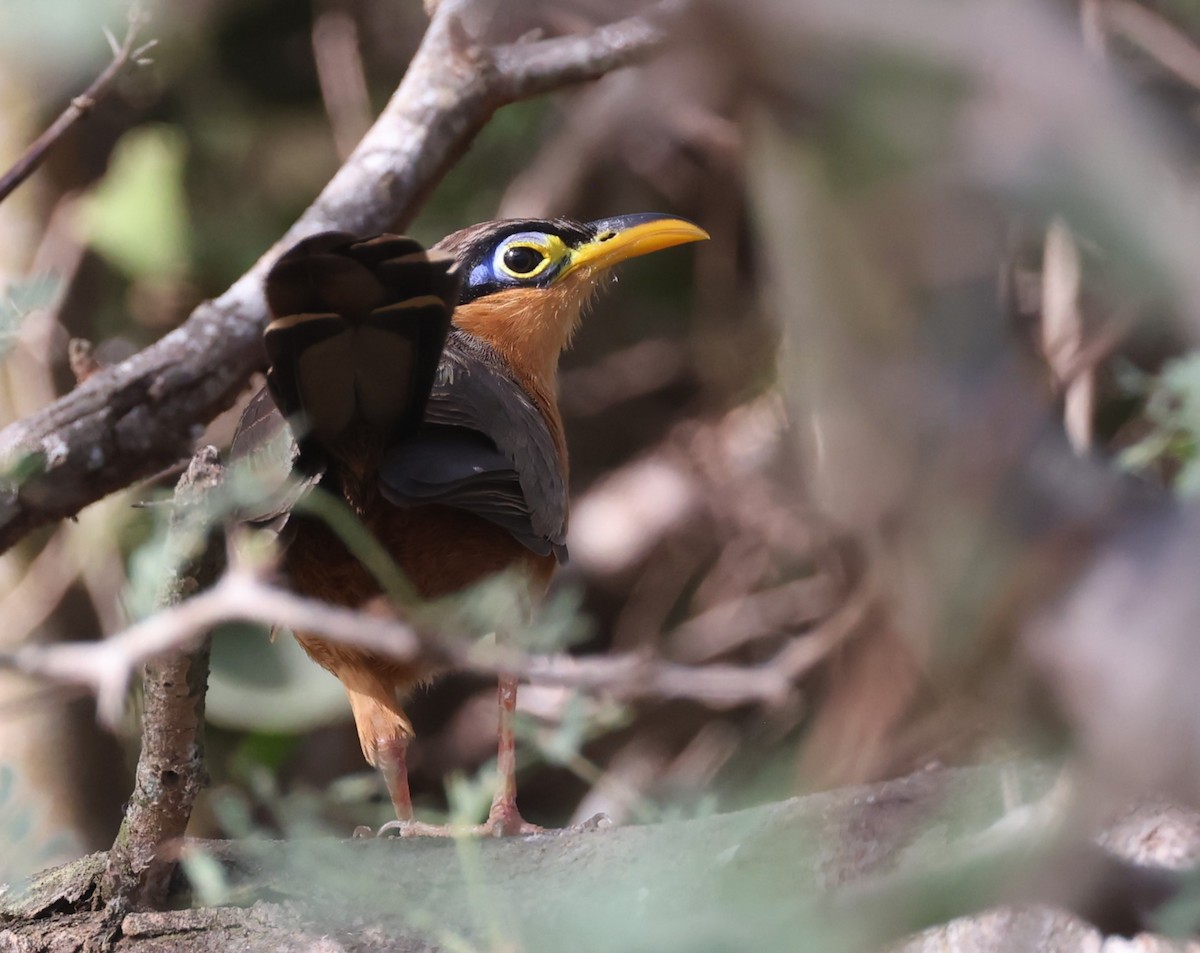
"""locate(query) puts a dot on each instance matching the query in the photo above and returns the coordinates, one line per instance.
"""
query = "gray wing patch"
(484, 448)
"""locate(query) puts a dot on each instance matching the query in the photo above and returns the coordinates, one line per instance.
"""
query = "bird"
(420, 387)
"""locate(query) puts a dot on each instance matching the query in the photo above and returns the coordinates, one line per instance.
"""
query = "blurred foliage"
(1171, 444)
(18, 300)
(264, 685)
(891, 185)
(50, 39)
(893, 116)
(137, 218)
(25, 850)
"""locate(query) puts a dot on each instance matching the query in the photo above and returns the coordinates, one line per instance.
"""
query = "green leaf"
(137, 217)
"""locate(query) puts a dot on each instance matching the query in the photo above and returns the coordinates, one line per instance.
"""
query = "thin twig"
(105, 667)
(124, 54)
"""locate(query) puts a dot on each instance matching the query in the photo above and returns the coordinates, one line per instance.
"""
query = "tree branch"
(530, 69)
(129, 421)
(170, 769)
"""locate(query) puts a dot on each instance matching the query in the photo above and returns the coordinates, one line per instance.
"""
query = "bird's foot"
(408, 829)
(597, 822)
(412, 828)
(505, 820)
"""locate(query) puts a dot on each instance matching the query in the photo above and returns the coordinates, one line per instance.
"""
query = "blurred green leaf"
(137, 217)
(145, 571)
(258, 686)
(1180, 917)
(470, 797)
(20, 299)
(575, 727)
(1173, 411)
(263, 749)
(27, 847)
(207, 877)
(893, 116)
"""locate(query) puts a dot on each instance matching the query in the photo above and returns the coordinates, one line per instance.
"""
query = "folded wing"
(484, 448)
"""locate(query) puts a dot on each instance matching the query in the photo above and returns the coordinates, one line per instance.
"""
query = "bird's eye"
(523, 261)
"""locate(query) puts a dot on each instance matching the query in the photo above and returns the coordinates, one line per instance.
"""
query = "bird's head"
(526, 281)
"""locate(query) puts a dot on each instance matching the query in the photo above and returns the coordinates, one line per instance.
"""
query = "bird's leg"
(392, 759)
(504, 819)
(384, 732)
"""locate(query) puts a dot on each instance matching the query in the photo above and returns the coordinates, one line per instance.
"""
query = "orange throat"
(530, 328)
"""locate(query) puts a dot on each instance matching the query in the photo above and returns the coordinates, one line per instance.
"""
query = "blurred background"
(915, 430)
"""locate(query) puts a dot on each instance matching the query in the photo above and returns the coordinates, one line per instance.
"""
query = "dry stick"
(142, 415)
(170, 770)
(1062, 333)
(105, 667)
(1172, 47)
(80, 106)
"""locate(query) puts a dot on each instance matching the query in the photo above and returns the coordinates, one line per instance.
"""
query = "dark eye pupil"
(521, 260)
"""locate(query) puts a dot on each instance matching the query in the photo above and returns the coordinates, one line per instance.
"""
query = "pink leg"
(392, 758)
(505, 819)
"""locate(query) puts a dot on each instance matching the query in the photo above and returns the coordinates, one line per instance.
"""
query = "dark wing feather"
(485, 448)
(263, 447)
(355, 343)
(357, 334)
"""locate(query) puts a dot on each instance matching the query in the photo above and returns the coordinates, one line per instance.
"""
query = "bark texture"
(170, 770)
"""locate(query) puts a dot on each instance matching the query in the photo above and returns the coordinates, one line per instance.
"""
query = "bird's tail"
(357, 332)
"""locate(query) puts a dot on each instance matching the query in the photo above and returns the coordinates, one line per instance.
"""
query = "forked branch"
(136, 418)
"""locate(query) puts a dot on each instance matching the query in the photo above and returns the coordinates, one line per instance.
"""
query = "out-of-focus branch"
(1062, 333)
(620, 520)
(170, 770)
(138, 417)
(341, 77)
(105, 667)
(1170, 46)
(1087, 134)
(529, 69)
(1093, 27)
(123, 55)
